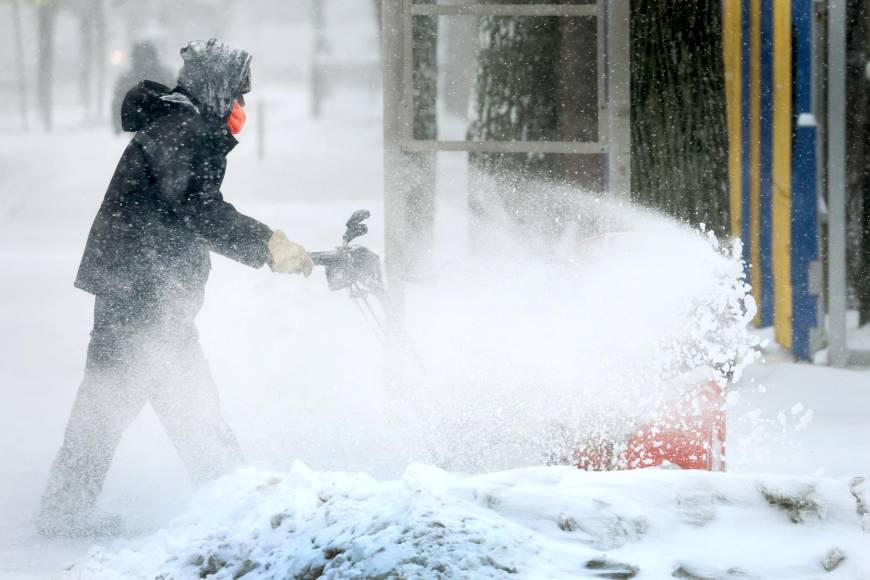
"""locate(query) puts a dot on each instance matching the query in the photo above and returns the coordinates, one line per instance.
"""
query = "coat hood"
(143, 104)
(213, 75)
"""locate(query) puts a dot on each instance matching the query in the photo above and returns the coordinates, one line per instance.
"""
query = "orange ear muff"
(237, 119)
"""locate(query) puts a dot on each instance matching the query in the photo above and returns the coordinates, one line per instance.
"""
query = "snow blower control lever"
(357, 269)
(355, 225)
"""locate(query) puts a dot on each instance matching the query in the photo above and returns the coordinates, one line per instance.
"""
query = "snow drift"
(546, 522)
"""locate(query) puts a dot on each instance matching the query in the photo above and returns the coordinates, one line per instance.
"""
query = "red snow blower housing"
(689, 434)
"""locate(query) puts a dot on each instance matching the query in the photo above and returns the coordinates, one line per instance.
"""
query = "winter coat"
(163, 211)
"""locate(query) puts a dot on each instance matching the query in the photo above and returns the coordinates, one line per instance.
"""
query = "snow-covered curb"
(546, 522)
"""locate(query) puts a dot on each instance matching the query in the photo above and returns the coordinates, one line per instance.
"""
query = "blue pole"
(804, 240)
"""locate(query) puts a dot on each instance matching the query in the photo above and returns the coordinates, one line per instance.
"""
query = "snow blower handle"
(352, 267)
(355, 226)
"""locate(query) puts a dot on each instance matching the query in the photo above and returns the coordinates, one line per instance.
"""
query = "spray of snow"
(536, 341)
(528, 341)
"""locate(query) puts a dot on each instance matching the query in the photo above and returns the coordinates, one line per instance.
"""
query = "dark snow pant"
(142, 350)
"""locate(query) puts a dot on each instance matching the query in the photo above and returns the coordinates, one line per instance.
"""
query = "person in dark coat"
(144, 65)
(147, 261)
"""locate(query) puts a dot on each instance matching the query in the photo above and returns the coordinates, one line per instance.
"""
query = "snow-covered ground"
(555, 522)
(334, 477)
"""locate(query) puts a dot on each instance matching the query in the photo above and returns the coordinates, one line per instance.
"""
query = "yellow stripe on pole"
(732, 46)
(755, 153)
(782, 132)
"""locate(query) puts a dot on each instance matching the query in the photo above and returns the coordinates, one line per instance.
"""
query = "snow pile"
(545, 522)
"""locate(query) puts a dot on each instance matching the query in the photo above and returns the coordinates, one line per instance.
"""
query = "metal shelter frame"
(613, 86)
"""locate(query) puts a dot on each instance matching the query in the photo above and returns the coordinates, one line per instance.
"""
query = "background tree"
(422, 164)
(679, 154)
(536, 81)
(18, 44)
(46, 14)
(515, 95)
(92, 60)
(858, 152)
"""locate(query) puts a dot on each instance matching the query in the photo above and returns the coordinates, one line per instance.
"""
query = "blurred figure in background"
(145, 65)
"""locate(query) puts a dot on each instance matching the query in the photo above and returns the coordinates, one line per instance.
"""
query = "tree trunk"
(517, 97)
(857, 119)
(516, 93)
(101, 54)
(46, 13)
(863, 282)
(19, 59)
(536, 81)
(420, 203)
(378, 12)
(578, 100)
(86, 58)
(679, 149)
(318, 52)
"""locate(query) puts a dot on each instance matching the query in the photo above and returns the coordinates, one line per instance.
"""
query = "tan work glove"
(288, 257)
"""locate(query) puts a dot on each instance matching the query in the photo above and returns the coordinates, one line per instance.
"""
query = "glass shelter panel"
(506, 73)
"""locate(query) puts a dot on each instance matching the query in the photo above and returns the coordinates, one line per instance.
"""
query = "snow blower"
(688, 433)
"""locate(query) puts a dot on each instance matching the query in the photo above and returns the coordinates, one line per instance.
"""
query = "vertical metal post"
(45, 18)
(317, 50)
(395, 129)
(86, 59)
(261, 130)
(619, 103)
(101, 55)
(838, 353)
